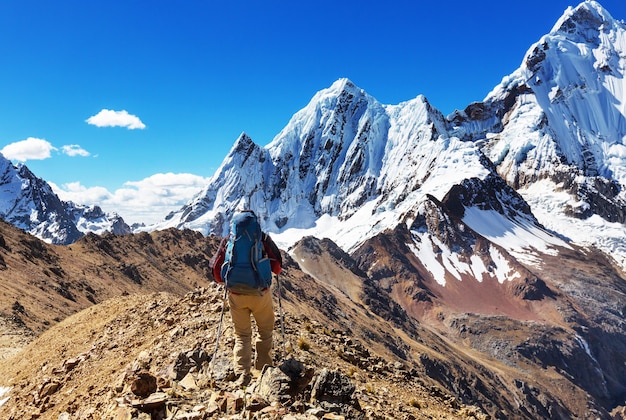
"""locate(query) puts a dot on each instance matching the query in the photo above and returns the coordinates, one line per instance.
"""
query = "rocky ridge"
(149, 357)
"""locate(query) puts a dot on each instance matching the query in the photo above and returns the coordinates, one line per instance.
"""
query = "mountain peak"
(244, 141)
(584, 20)
(342, 84)
(341, 88)
(243, 148)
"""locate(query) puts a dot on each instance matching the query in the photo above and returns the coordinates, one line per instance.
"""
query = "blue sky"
(192, 75)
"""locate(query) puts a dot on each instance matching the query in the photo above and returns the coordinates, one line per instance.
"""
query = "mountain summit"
(555, 128)
(343, 156)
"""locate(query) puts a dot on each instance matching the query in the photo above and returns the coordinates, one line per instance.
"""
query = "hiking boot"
(243, 380)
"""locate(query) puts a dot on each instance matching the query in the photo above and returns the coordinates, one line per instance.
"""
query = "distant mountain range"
(29, 203)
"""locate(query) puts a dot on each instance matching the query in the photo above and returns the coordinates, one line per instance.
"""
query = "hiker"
(245, 261)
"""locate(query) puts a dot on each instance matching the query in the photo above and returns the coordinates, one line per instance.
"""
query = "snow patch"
(429, 258)
(4, 390)
(502, 270)
(438, 259)
(520, 238)
(548, 203)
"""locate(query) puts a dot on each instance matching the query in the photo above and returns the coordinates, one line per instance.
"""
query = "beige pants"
(259, 306)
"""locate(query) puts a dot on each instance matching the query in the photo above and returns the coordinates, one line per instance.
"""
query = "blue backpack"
(246, 269)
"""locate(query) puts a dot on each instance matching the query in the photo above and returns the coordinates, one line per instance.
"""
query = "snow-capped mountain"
(555, 128)
(347, 167)
(29, 203)
(342, 157)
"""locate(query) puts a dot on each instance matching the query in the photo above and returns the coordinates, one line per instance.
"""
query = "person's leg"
(242, 351)
(263, 312)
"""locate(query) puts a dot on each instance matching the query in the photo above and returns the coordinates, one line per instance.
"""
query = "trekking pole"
(282, 321)
(219, 331)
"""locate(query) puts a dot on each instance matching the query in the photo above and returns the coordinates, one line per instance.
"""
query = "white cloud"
(74, 191)
(74, 150)
(148, 200)
(29, 149)
(38, 149)
(110, 118)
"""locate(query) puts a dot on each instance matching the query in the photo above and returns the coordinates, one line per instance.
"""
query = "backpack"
(273, 253)
(246, 268)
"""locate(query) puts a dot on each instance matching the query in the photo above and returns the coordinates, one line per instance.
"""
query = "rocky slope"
(89, 365)
(353, 345)
(148, 357)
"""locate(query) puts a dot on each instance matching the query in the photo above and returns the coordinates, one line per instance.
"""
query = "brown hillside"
(42, 284)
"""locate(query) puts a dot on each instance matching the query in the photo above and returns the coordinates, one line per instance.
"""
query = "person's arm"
(215, 264)
(273, 253)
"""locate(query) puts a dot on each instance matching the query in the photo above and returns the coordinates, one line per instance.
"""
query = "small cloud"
(29, 149)
(78, 193)
(74, 150)
(148, 200)
(110, 118)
